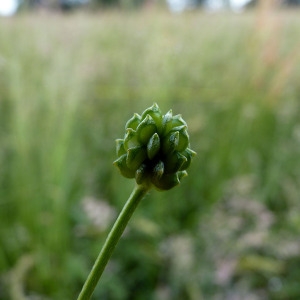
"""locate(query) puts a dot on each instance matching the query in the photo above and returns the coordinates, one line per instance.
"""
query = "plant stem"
(111, 241)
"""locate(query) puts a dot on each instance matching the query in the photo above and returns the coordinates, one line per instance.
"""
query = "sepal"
(146, 129)
(121, 164)
(155, 112)
(174, 162)
(174, 122)
(158, 170)
(133, 122)
(135, 157)
(170, 143)
(189, 154)
(167, 119)
(166, 182)
(141, 174)
(153, 146)
(131, 139)
(120, 147)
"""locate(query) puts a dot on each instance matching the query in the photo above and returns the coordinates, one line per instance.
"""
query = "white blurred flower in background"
(100, 213)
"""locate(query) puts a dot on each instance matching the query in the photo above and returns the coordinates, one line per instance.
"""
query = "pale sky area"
(8, 7)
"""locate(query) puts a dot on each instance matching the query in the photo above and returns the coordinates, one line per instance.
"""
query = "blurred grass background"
(67, 86)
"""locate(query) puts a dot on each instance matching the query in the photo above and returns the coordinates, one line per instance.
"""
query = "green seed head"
(155, 149)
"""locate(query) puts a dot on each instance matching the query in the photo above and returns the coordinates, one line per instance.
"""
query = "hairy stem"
(112, 239)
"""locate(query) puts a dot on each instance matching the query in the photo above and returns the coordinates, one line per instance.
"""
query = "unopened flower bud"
(155, 149)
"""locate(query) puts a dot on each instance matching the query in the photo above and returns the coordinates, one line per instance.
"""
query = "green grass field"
(67, 86)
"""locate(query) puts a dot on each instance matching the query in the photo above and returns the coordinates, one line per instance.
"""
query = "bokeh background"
(68, 83)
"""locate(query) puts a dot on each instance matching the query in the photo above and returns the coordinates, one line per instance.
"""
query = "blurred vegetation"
(230, 231)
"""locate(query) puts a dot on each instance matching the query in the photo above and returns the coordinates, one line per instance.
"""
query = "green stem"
(111, 241)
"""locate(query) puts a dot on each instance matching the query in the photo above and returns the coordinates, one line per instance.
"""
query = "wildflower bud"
(155, 149)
